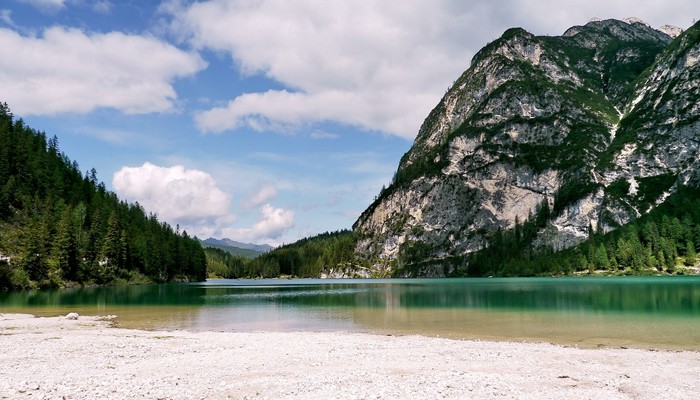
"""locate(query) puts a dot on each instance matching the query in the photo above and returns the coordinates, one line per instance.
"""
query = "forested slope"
(59, 227)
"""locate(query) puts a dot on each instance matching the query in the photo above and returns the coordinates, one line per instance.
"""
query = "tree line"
(663, 241)
(306, 258)
(60, 227)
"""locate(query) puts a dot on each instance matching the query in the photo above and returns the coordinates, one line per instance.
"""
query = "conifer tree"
(36, 250)
(690, 254)
(113, 248)
(66, 246)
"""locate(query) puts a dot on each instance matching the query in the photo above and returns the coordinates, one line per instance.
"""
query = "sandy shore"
(57, 358)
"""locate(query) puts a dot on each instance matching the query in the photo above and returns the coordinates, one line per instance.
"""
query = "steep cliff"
(584, 131)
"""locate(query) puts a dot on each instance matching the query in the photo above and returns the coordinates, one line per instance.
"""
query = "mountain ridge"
(539, 122)
(260, 248)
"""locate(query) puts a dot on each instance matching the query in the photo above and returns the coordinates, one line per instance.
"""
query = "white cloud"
(343, 61)
(194, 200)
(176, 194)
(67, 70)
(261, 196)
(374, 64)
(272, 224)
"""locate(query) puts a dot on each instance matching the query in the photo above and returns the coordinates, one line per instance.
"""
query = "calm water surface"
(647, 312)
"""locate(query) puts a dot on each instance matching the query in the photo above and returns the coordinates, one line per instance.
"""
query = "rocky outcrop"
(597, 125)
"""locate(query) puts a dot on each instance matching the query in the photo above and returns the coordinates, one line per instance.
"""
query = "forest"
(60, 227)
(306, 258)
(664, 241)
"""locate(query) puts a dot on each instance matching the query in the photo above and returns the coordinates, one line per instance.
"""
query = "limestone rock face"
(598, 125)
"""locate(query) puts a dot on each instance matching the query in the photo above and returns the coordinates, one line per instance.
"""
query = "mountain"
(245, 250)
(258, 248)
(59, 227)
(552, 139)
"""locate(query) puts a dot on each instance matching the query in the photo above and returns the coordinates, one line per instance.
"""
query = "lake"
(643, 312)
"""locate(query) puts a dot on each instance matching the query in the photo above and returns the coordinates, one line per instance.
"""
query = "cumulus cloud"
(192, 199)
(374, 64)
(176, 194)
(67, 70)
(272, 223)
(342, 61)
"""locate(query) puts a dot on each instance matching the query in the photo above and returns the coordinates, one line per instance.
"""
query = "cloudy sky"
(258, 120)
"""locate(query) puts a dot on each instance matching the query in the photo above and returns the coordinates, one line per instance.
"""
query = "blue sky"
(262, 121)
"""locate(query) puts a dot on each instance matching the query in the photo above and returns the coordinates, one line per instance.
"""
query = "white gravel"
(59, 358)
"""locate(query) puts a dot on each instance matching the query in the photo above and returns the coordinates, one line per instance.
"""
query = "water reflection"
(640, 312)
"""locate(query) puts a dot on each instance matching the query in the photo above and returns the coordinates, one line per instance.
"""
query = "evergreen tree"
(36, 251)
(601, 260)
(66, 246)
(113, 248)
(690, 254)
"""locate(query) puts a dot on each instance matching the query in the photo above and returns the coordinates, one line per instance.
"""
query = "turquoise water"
(657, 312)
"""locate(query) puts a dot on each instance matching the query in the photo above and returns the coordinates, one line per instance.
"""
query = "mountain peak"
(635, 20)
(672, 31)
(575, 131)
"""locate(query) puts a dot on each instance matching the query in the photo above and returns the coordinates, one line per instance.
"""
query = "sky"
(262, 121)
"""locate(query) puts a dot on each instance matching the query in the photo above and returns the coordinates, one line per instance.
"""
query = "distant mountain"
(248, 250)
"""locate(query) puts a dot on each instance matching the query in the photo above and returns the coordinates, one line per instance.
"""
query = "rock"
(72, 316)
(542, 120)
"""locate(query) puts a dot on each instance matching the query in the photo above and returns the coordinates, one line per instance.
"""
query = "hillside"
(247, 250)
(570, 136)
(59, 227)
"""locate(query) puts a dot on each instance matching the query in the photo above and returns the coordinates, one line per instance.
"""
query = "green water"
(646, 312)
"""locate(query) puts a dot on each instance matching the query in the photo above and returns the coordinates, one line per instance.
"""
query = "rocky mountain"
(582, 132)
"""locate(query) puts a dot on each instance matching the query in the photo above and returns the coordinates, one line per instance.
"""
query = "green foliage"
(222, 264)
(309, 257)
(658, 242)
(244, 253)
(66, 246)
(413, 254)
(572, 190)
(60, 227)
(509, 252)
(618, 189)
(652, 187)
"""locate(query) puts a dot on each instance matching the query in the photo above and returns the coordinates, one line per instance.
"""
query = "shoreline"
(87, 358)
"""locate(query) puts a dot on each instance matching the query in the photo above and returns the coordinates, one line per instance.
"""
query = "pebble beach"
(90, 358)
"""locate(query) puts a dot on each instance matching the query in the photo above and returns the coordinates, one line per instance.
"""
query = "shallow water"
(645, 312)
